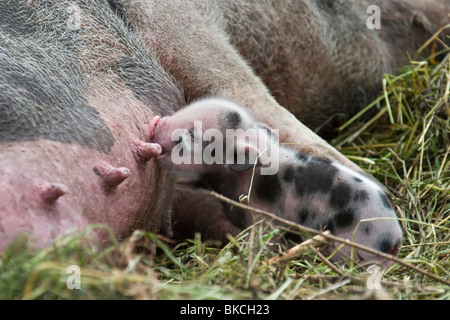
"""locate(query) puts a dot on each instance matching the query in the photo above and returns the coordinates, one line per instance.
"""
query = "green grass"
(403, 139)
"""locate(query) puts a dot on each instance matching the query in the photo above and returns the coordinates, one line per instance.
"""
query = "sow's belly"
(75, 101)
(49, 187)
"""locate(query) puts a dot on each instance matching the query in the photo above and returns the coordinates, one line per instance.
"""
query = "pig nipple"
(112, 177)
(144, 151)
(50, 192)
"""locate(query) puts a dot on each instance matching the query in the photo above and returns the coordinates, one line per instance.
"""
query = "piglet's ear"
(245, 156)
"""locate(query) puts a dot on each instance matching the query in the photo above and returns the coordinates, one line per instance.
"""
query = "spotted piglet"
(221, 147)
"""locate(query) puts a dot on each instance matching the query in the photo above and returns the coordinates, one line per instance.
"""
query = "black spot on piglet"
(356, 179)
(326, 225)
(301, 157)
(361, 195)
(268, 187)
(340, 195)
(384, 199)
(303, 215)
(233, 120)
(316, 176)
(289, 174)
(344, 218)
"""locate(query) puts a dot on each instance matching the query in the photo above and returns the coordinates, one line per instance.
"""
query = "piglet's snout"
(389, 244)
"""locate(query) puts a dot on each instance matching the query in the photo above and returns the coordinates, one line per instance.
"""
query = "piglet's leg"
(195, 210)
